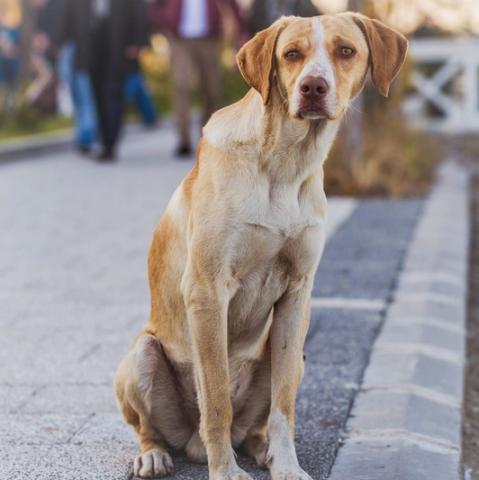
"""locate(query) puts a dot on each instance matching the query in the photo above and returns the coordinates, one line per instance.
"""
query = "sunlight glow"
(456, 16)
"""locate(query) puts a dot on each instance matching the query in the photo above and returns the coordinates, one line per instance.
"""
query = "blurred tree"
(264, 12)
(355, 5)
(354, 131)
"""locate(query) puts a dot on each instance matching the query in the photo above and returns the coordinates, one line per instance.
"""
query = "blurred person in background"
(264, 12)
(72, 37)
(106, 35)
(136, 89)
(194, 29)
(118, 28)
(10, 20)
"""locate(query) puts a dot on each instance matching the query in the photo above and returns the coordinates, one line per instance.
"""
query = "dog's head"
(318, 65)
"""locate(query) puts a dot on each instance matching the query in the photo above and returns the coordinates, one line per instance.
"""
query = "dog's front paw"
(230, 473)
(154, 463)
(293, 474)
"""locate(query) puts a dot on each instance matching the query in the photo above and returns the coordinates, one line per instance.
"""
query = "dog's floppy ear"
(387, 51)
(256, 59)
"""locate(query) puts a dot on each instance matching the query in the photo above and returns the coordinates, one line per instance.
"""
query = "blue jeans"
(137, 92)
(86, 123)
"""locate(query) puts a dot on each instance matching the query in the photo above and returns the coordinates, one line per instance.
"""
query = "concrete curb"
(53, 142)
(35, 145)
(406, 419)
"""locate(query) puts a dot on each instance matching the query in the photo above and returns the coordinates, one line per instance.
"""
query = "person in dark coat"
(106, 35)
(264, 12)
(136, 90)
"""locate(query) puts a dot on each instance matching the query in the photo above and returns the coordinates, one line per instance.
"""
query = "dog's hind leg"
(195, 449)
(250, 424)
(149, 401)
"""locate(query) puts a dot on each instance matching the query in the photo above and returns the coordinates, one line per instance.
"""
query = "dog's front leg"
(207, 309)
(288, 332)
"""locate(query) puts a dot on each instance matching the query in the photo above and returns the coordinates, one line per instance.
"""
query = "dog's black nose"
(311, 87)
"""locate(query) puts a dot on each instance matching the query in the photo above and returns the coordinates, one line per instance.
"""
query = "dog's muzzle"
(313, 92)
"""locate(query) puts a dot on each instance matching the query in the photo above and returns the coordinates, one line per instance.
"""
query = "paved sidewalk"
(74, 294)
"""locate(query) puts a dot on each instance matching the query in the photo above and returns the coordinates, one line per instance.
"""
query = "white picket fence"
(448, 99)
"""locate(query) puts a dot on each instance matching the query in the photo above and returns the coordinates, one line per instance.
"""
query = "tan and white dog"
(232, 261)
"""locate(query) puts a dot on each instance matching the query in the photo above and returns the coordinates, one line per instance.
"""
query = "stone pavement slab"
(60, 462)
(403, 460)
(34, 429)
(70, 399)
(73, 289)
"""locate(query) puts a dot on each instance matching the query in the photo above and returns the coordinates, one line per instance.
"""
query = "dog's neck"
(288, 149)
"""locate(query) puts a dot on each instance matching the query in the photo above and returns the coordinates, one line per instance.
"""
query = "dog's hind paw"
(256, 446)
(154, 463)
(195, 449)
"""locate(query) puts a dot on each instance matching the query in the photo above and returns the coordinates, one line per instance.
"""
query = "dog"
(232, 262)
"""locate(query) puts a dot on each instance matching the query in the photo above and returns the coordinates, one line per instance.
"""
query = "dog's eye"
(292, 55)
(346, 51)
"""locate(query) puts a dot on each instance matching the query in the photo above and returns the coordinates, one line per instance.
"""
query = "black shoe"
(106, 156)
(183, 150)
(84, 149)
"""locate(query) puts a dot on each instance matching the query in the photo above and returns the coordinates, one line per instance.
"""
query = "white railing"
(447, 98)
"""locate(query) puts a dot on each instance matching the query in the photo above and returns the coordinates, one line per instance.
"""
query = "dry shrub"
(394, 158)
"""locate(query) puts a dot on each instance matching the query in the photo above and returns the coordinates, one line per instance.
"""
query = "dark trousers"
(108, 88)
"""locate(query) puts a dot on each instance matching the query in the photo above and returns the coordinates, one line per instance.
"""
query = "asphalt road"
(74, 294)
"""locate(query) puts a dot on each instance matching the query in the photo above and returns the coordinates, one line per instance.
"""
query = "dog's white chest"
(271, 254)
(279, 239)
(281, 213)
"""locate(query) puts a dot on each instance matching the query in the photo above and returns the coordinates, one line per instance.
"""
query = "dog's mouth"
(309, 114)
(313, 112)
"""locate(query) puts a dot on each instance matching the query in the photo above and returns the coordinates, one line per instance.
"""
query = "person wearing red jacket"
(194, 28)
